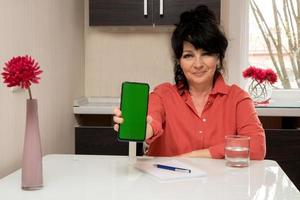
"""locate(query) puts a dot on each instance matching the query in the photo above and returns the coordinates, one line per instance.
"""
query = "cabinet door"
(119, 12)
(169, 12)
(101, 141)
(283, 146)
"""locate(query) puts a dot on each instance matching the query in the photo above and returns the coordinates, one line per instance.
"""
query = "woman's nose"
(198, 61)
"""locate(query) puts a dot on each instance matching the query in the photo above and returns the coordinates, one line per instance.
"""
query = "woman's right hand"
(119, 120)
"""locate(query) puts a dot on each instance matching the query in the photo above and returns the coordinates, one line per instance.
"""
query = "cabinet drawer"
(172, 9)
(139, 12)
(101, 141)
(119, 12)
(283, 146)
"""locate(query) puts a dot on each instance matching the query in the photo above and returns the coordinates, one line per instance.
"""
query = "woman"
(192, 117)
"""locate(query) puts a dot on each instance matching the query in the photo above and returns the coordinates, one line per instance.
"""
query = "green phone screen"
(134, 108)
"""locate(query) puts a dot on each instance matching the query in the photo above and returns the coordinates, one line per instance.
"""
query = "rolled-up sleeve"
(249, 124)
(157, 112)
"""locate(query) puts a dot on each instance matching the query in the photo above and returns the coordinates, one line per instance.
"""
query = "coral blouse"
(178, 129)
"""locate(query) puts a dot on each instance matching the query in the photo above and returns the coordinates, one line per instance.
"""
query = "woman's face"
(198, 66)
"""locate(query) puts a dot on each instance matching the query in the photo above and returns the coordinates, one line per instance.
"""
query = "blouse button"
(204, 120)
(200, 131)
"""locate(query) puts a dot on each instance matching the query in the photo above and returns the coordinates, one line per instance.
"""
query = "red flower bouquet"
(262, 79)
(21, 71)
(260, 75)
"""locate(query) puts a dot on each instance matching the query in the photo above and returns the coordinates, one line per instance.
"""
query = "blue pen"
(177, 169)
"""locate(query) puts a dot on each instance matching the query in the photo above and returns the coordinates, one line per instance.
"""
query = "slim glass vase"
(32, 170)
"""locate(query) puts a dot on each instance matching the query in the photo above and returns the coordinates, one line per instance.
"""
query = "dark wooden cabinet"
(173, 8)
(95, 135)
(119, 12)
(134, 12)
(283, 146)
(101, 141)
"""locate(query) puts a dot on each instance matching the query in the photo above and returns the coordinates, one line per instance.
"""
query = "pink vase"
(32, 170)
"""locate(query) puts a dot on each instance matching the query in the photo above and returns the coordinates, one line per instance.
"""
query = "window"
(274, 39)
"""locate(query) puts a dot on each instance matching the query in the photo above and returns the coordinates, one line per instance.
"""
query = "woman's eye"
(187, 55)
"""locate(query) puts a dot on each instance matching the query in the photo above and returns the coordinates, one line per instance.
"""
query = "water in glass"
(237, 150)
(237, 156)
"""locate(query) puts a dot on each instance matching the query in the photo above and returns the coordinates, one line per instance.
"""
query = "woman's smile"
(199, 73)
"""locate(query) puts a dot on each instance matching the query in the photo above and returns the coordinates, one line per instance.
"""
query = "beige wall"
(52, 32)
(142, 54)
(114, 55)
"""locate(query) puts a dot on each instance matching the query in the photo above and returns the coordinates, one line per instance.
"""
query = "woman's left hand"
(203, 153)
(190, 154)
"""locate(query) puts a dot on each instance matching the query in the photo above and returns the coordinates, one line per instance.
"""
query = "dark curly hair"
(200, 28)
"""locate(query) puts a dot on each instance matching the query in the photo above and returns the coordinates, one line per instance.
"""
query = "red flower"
(249, 72)
(21, 71)
(271, 76)
(260, 75)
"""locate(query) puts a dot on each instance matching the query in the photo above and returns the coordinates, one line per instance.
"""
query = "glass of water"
(237, 150)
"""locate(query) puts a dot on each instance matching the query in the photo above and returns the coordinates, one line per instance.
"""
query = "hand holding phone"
(119, 120)
(134, 107)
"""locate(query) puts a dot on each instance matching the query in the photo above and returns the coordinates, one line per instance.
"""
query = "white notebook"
(149, 167)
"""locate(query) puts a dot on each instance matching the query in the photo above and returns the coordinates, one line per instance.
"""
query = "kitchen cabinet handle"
(161, 7)
(145, 7)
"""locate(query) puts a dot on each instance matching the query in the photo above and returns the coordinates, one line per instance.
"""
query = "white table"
(113, 177)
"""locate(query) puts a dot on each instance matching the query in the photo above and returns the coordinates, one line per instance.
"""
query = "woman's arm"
(156, 114)
(202, 153)
(249, 124)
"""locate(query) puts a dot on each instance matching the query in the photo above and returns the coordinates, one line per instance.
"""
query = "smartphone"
(134, 108)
